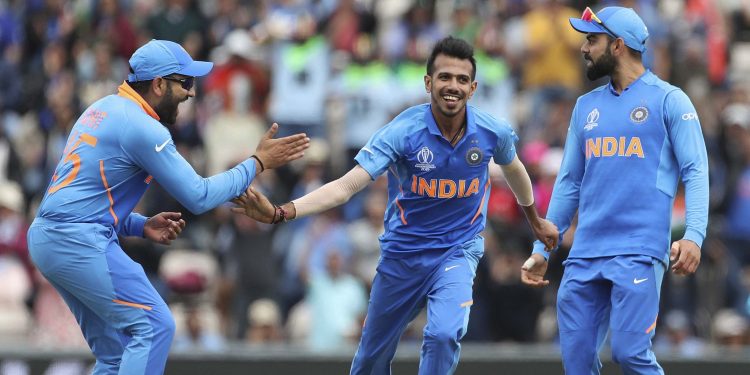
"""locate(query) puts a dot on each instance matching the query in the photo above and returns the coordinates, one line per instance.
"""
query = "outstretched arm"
(520, 183)
(178, 177)
(335, 193)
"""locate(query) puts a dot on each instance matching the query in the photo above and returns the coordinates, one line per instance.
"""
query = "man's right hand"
(274, 153)
(255, 205)
(533, 270)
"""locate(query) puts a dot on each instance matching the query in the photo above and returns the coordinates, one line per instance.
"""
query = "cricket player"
(436, 156)
(629, 144)
(115, 150)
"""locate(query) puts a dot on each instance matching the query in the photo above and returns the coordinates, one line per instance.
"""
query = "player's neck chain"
(458, 134)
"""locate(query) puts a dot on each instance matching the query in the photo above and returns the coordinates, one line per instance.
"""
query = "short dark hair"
(633, 53)
(141, 87)
(453, 47)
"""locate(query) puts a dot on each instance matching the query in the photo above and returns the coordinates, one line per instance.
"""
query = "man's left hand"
(685, 256)
(163, 227)
(547, 233)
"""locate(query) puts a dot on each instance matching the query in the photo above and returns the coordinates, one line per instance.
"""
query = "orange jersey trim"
(131, 304)
(653, 325)
(127, 92)
(481, 202)
(109, 191)
(467, 303)
(403, 214)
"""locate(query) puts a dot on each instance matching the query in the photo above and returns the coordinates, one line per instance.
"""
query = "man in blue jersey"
(115, 149)
(629, 144)
(436, 156)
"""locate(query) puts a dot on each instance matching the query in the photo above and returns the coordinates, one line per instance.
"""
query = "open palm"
(255, 205)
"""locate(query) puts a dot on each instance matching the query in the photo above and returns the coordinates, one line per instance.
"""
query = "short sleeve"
(384, 148)
(505, 148)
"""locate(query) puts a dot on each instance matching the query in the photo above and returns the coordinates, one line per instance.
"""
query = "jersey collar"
(433, 128)
(612, 90)
(127, 92)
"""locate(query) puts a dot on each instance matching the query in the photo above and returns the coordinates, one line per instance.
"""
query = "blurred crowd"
(338, 70)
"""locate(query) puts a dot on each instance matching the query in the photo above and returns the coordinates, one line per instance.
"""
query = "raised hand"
(533, 270)
(255, 205)
(164, 227)
(275, 152)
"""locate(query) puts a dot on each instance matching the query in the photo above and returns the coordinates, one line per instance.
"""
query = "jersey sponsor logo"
(424, 157)
(92, 118)
(451, 267)
(611, 146)
(639, 115)
(444, 188)
(591, 120)
(638, 281)
(689, 116)
(158, 148)
(474, 156)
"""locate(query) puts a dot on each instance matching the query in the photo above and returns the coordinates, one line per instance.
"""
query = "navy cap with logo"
(160, 58)
(618, 22)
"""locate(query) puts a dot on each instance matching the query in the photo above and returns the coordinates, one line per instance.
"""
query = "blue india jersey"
(437, 193)
(114, 151)
(624, 157)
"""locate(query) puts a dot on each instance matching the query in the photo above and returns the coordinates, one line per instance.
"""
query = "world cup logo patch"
(474, 156)
(424, 158)
(639, 115)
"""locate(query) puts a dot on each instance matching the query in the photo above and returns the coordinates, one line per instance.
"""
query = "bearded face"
(602, 66)
(168, 107)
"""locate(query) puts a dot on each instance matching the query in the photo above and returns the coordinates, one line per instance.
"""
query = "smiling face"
(597, 51)
(450, 85)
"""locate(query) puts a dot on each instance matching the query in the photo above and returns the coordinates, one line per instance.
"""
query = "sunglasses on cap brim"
(589, 16)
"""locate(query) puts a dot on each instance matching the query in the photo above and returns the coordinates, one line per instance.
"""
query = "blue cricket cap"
(623, 22)
(160, 58)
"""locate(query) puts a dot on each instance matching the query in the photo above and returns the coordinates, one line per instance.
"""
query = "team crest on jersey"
(591, 120)
(474, 156)
(639, 115)
(424, 157)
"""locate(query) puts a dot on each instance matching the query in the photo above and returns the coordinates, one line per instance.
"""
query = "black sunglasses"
(186, 83)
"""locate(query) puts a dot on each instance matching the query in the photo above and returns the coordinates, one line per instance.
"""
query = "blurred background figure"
(197, 330)
(337, 302)
(679, 337)
(264, 323)
(730, 330)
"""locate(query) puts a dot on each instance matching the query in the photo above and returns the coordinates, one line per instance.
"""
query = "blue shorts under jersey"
(437, 193)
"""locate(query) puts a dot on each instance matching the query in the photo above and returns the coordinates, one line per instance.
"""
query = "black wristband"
(262, 167)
